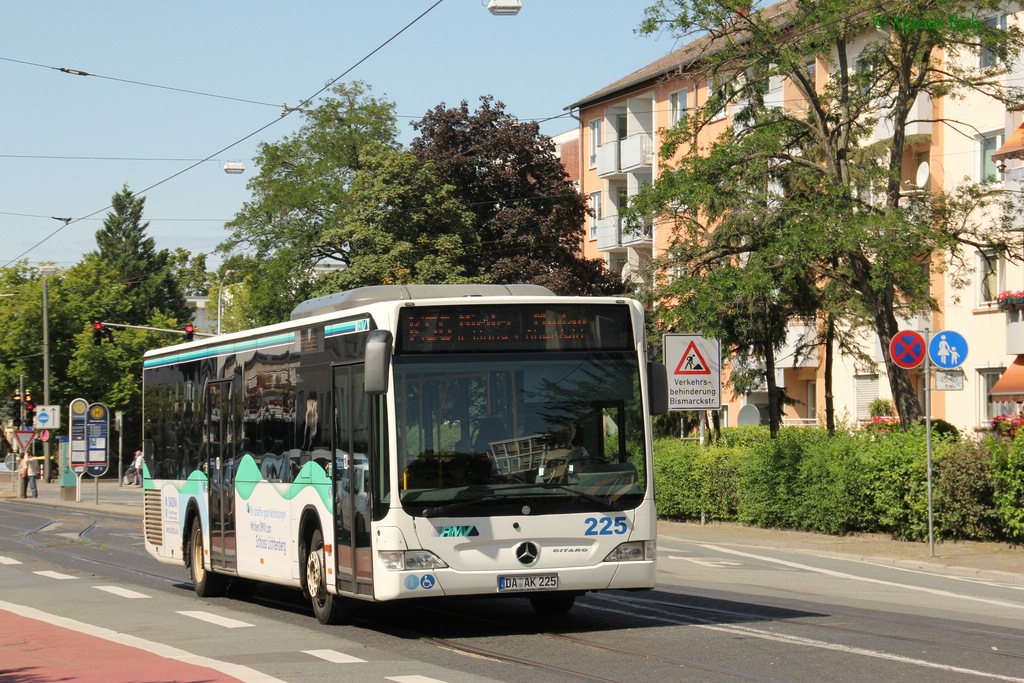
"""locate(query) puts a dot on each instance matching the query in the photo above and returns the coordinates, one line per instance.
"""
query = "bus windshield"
(489, 433)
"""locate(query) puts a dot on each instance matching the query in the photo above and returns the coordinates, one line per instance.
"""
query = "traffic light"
(30, 411)
(190, 332)
(16, 409)
(101, 332)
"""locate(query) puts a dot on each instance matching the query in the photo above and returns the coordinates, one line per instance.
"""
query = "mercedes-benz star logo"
(527, 553)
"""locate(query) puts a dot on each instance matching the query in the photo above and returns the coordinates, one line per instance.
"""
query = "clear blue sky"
(60, 131)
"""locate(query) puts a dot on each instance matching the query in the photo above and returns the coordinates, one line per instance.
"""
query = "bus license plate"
(535, 582)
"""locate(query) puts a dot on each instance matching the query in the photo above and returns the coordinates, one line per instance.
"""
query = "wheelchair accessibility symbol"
(427, 581)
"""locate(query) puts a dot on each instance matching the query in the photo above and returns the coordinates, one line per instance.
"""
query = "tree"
(149, 284)
(190, 271)
(847, 194)
(529, 218)
(301, 200)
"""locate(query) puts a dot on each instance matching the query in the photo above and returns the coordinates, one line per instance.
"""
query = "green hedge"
(850, 482)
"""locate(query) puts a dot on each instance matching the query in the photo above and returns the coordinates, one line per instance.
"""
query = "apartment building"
(622, 126)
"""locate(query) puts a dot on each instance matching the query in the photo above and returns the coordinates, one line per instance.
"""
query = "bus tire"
(205, 582)
(550, 604)
(329, 608)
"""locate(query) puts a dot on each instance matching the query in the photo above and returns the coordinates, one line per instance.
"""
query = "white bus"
(410, 441)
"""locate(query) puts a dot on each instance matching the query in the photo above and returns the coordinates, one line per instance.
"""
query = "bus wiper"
(610, 504)
(442, 509)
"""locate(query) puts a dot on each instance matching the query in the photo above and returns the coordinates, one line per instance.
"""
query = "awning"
(1010, 386)
(1012, 148)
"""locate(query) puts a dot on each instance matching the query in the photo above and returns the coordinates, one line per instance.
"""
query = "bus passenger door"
(219, 441)
(352, 502)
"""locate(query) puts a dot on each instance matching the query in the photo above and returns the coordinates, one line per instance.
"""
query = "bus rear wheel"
(206, 583)
(329, 608)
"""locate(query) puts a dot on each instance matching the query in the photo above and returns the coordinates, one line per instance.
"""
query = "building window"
(989, 144)
(867, 391)
(622, 126)
(595, 141)
(596, 205)
(719, 85)
(987, 378)
(990, 277)
(812, 402)
(987, 59)
(677, 106)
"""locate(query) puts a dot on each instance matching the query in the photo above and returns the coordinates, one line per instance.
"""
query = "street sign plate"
(694, 367)
(949, 380)
(23, 438)
(948, 349)
(907, 349)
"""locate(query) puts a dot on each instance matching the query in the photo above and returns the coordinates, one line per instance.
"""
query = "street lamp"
(504, 8)
(220, 296)
(46, 271)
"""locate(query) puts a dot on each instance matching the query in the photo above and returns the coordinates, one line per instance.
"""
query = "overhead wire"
(259, 130)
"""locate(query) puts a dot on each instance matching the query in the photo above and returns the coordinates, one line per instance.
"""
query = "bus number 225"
(605, 526)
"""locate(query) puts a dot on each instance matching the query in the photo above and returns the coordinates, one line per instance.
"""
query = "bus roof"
(354, 298)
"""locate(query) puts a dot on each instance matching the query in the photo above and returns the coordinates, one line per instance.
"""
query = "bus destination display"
(520, 327)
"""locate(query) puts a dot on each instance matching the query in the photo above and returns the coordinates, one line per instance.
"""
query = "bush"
(963, 495)
(853, 481)
(1008, 475)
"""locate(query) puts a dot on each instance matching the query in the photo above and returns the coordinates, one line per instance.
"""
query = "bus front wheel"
(329, 608)
(206, 583)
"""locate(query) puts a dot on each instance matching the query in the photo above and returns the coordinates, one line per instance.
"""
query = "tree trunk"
(830, 408)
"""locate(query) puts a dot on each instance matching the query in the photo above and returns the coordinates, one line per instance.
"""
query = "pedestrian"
(137, 464)
(23, 474)
(33, 475)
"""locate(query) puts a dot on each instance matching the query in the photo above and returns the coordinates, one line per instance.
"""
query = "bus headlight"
(398, 560)
(632, 552)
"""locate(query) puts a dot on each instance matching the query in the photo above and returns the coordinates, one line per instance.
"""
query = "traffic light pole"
(154, 329)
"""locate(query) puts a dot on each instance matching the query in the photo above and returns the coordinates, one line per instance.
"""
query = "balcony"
(637, 237)
(918, 120)
(634, 154)
(1014, 330)
(609, 234)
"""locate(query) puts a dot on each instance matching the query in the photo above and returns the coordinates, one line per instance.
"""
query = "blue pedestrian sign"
(948, 349)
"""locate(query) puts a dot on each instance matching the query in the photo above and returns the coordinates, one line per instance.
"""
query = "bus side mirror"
(657, 388)
(378, 361)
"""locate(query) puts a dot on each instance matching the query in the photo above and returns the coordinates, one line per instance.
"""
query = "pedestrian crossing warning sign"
(692, 363)
(694, 367)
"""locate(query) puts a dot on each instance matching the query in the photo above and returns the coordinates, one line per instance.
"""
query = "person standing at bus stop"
(28, 468)
(137, 465)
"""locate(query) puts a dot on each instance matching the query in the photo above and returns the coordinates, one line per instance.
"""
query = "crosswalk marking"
(55, 575)
(122, 592)
(8, 560)
(413, 679)
(215, 619)
(334, 656)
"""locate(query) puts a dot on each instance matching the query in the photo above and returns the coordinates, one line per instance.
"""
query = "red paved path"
(33, 651)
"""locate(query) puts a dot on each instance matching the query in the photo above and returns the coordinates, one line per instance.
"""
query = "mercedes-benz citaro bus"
(412, 441)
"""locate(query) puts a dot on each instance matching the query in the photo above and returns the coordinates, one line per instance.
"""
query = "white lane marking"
(793, 640)
(8, 560)
(226, 622)
(242, 673)
(55, 575)
(707, 563)
(413, 679)
(335, 656)
(121, 592)
(854, 577)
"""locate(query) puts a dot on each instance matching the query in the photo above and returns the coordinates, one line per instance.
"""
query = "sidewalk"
(111, 497)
